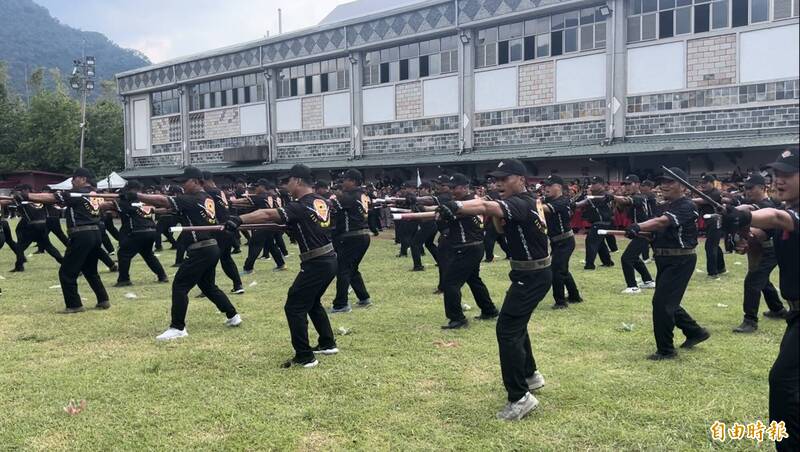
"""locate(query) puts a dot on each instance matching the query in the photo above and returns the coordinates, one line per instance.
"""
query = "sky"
(167, 29)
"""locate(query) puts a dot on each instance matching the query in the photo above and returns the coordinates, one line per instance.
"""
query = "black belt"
(38, 222)
(202, 244)
(316, 252)
(143, 230)
(673, 251)
(563, 236)
(465, 245)
(528, 266)
(91, 227)
(358, 233)
(768, 244)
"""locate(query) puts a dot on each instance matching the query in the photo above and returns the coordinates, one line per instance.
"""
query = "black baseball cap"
(21, 187)
(301, 171)
(648, 183)
(457, 180)
(631, 179)
(707, 178)
(510, 167)
(597, 180)
(262, 183)
(552, 180)
(207, 175)
(322, 184)
(442, 179)
(354, 175)
(678, 172)
(133, 185)
(410, 184)
(425, 185)
(83, 172)
(787, 162)
(753, 180)
(190, 172)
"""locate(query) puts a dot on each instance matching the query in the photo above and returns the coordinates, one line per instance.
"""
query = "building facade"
(578, 87)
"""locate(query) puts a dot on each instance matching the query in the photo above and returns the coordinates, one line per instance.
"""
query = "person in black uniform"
(715, 258)
(32, 227)
(405, 230)
(465, 256)
(646, 188)
(425, 234)
(526, 234)
(307, 219)
(558, 215)
(639, 212)
(598, 212)
(784, 377)
(351, 240)
(138, 234)
(260, 238)
(82, 254)
(492, 236)
(225, 239)
(196, 208)
(374, 215)
(759, 267)
(675, 231)
(54, 215)
(443, 194)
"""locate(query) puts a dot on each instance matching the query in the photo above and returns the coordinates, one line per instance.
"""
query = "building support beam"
(271, 81)
(356, 104)
(187, 156)
(616, 70)
(466, 82)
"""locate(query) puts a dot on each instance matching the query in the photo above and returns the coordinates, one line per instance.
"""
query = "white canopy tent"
(66, 185)
(112, 181)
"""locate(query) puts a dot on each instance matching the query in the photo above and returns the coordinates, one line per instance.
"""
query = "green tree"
(11, 117)
(104, 148)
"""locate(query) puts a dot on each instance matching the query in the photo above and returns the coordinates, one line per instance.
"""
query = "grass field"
(399, 383)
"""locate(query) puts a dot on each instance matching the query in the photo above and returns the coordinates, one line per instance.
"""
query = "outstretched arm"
(655, 224)
(154, 200)
(42, 198)
(262, 216)
(773, 219)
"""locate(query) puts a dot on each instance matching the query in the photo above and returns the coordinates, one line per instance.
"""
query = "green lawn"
(399, 383)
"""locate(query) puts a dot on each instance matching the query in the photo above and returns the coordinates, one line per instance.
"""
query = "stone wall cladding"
(419, 145)
(572, 133)
(200, 158)
(166, 148)
(313, 151)
(408, 100)
(729, 96)
(559, 112)
(336, 133)
(312, 112)
(411, 126)
(154, 161)
(221, 123)
(197, 129)
(714, 121)
(536, 84)
(159, 131)
(711, 61)
(232, 142)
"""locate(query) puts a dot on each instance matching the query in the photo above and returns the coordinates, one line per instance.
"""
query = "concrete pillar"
(271, 81)
(466, 60)
(184, 91)
(356, 105)
(126, 133)
(616, 84)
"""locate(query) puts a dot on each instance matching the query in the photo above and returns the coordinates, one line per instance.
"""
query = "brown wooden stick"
(94, 195)
(646, 235)
(419, 216)
(221, 227)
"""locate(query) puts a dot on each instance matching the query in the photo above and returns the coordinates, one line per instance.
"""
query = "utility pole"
(82, 81)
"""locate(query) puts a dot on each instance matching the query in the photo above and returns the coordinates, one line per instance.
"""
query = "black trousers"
(140, 243)
(106, 241)
(405, 230)
(163, 224)
(281, 243)
(271, 247)
(81, 257)
(304, 301)
(490, 238)
(198, 269)
(350, 251)
(464, 266)
(54, 226)
(516, 356)
(8, 238)
(183, 242)
(632, 262)
(715, 258)
(225, 241)
(672, 277)
(595, 244)
(562, 278)
(443, 250)
(611, 242)
(374, 220)
(258, 239)
(29, 233)
(757, 282)
(111, 228)
(425, 236)
(784, 386)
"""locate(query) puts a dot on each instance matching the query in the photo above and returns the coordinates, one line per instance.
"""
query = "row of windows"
(242, 89)
(657, 19)
(314, 78)
(555, 35)
(166, 102)
(411, 61)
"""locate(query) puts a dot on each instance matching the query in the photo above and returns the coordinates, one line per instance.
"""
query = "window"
(719, 14)
(782, 9)
(739, 13)
(702, 16)
(242, 89)
(165, 102)
(413, 61)
(314, 78)
(759, 11)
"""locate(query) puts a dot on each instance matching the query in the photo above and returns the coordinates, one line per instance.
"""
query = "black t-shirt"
(52, 211)
(135, 218)
(80, 211)
(787, 250)
(560, 215)
(706, 209)
(308, 219)
(195, 209)
(652, 204)
(525, 228)
(32, 212)
(466, 229)
(350, 211)
(682, 230)
(598, 211)
(639, 210)
(220, 204)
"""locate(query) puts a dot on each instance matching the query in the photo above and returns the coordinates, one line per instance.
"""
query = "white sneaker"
(234, 321)
(172, 333)
(514, 411)
(238, 291)
(536, 381)
(647, 285)
(632, 291)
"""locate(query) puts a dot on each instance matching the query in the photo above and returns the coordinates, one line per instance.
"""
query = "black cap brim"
(783, 167)
(499, 174)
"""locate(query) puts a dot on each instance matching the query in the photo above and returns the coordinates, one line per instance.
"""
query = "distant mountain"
(30, 38)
